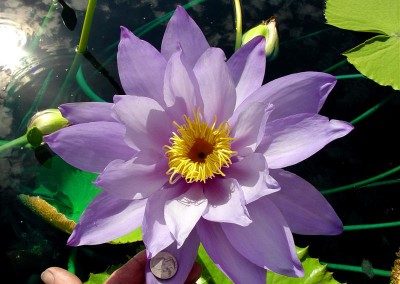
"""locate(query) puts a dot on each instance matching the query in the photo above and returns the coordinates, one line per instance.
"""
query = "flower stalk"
(87, 24)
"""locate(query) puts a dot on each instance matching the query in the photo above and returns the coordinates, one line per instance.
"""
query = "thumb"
(57, 275)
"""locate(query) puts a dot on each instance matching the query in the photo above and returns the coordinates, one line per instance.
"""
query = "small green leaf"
(100, 278)
(211, 273)
(314, 272)
(378, 59)
(132, 237)
(382, 17)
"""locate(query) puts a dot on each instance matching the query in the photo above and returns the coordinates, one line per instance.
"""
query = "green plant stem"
(36, 102)
(238, 23)
(42, 27)
(371, 110)
(382, 183)
(72, 260)
(306, 36)
(361, 183)
(371, 226)
(353, 268)
(87, 24)
(349, 76)
(68, 79)
(333, 67)
(85, 87)
(14, 143)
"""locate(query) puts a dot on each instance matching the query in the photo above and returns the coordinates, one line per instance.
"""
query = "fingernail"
(47, 277)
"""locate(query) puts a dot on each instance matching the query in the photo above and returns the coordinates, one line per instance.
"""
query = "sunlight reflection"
(12, 43)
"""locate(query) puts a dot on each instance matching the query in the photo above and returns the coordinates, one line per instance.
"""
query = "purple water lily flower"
(194, 153)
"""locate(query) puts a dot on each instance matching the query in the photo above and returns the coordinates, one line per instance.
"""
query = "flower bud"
(268, 30)
(43, 123)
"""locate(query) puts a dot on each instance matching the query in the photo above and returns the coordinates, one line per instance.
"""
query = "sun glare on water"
(12, 42)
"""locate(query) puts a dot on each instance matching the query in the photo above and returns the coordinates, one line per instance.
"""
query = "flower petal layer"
(305, 209)
(303, 92)
(181, 88)
(185, 257)
(216, 85)
(84, 112)
(290, 140)
(225, 202)
(136, 178)
(156, 234)
(247, 66)
(267, 242)
(226, 257)
(249, 128)
(140, 67)
(107, 218)
(148, 126)
(183, 32)
(252, 174)
(182, 213)
(90, 146)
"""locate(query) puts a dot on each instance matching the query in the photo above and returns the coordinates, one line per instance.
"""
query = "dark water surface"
(36, 53)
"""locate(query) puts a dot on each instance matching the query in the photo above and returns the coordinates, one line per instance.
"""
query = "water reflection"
(12, 47)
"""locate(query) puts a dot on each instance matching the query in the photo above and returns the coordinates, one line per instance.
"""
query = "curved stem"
(238, 21)
(87, 24)
(352, 268)
(361, 183)
(349, 76)
(333, 67)
(85, 87)
(14, 143)
(371, 110)
(382, 183)
(371, 226)
(43, 26)
(306, 36)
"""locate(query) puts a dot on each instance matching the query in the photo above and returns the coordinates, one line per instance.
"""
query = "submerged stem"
(371, 226)
(353, 268)
(371, 110)
(350, 76)
(72, 260)
(14, 143)
(333, 67)
(238, 23)
(361, 183)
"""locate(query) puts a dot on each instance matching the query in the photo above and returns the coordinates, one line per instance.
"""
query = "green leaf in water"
(379, 57)
(65, 192)
(66, 188)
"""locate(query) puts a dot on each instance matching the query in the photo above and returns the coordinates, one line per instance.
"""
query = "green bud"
(43, 123)
(268, 30)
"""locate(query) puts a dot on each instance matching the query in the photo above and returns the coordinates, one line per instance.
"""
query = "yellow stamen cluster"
(198, 151)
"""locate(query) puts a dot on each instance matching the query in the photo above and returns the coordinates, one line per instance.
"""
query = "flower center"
(198, 151)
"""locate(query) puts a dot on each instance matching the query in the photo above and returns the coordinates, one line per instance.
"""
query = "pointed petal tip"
(125, 32)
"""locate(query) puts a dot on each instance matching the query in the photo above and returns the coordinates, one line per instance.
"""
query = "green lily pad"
(65, 192)
(379, 57)
(66, 188)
